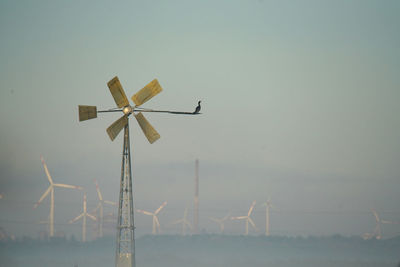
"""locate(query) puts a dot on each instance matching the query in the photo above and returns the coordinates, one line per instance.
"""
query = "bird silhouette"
(197, 110)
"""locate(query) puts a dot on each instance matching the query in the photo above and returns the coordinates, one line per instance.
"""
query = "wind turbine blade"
(252, 223)
(97, 207)
(91, 217)
(110, 202)
(225, 218)
(118, 92)
(214, 219)
(147, 92)
(188, 224)
(185, 212)
(46, 170)
(375, 214)
(178, 221)
(98, 190)
(116, 127)
(251, 208)
(147, 129)
(157, 222)
(76, 218)
(42, 197)
(389, 222)
(160, 208)
(145, 212)
(87, 112)
(68, 186)
(239, 218)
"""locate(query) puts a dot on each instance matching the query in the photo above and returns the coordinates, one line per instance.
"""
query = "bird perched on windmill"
(197, 110)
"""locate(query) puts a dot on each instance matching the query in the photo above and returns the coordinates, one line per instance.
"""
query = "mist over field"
(210, 250)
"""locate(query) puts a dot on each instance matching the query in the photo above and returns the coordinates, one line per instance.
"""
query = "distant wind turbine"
(156, 223)
(100, 209)
(221, 222)
(50, 190)
(185, 223)
(377, 231)
(247, 218)
(83, 215)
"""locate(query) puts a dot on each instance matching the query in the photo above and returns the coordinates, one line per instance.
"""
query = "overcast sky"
(299, 101)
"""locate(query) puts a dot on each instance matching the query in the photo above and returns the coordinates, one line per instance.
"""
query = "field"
(208, 250)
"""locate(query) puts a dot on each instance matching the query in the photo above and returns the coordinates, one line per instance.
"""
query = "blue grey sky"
(300, 104)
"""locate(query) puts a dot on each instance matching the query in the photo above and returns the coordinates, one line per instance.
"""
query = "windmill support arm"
(110, 110)
(167, 111)
(151, 110)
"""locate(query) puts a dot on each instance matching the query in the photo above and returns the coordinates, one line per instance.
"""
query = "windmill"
(50, 190)
(377, 231)
(267, 206)
(100, 209)
(221, 222)
(83, 215)
(185, 223)
(156, 223)
(125, 250)
(247, 218)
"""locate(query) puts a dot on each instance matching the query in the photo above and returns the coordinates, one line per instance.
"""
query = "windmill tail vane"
(122, 102)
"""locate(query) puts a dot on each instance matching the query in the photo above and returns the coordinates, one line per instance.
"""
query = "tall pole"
(267, 219)
(101, 219)
(196, 199)
(154, 226)
(84, 219)
(125, 252)
(52, 212)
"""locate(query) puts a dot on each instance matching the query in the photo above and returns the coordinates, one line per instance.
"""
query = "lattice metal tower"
(125, 252)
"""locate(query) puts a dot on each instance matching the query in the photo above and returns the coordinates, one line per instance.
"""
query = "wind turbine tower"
(50, 190)
(196, 199)
(83, 215)
(125, 248)
(268, 206)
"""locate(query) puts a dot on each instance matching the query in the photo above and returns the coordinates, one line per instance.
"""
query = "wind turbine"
(221, 222)
(83, 215)
(185, 223)
(377, 231)
(125, 250)
(50, 190)
(247, 218)
(156, 223)
(267, 206)
(100, 208)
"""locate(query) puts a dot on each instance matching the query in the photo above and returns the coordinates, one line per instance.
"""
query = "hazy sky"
(300, 104)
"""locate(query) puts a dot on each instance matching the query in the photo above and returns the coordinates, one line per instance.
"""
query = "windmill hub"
(127, 110)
